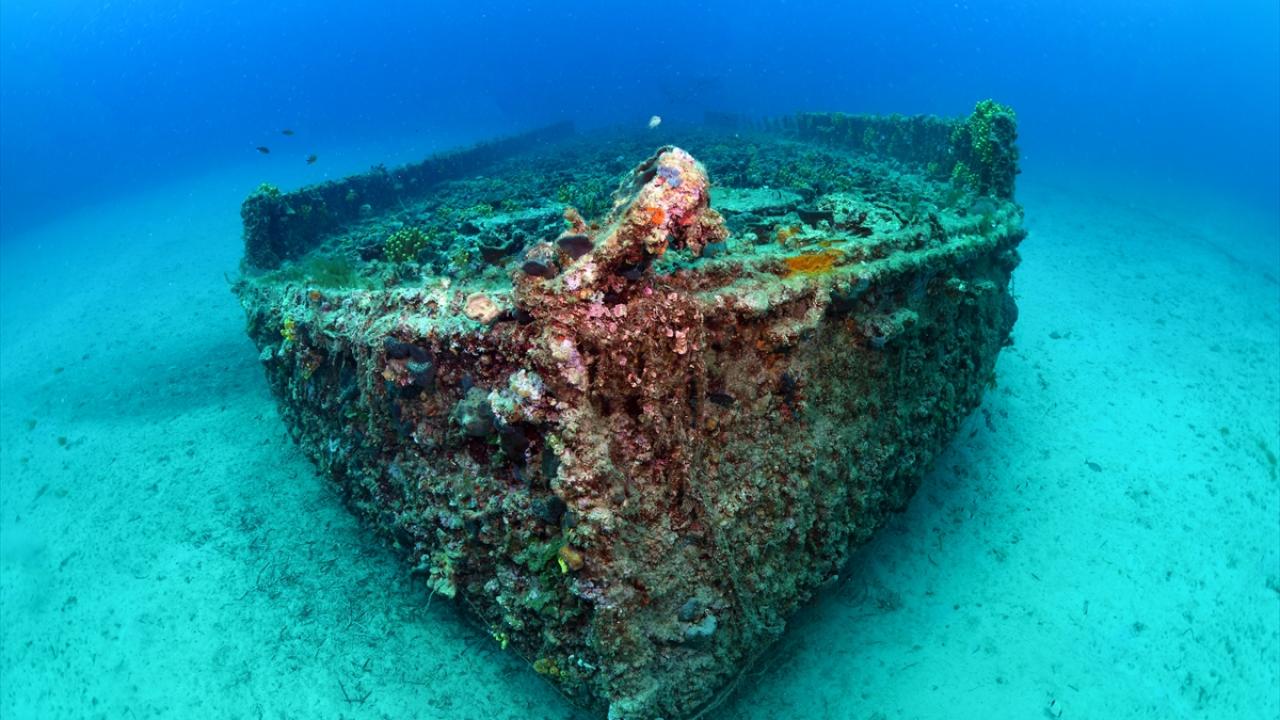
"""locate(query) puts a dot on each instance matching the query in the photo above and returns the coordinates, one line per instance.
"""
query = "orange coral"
(657, 215)
(812, 263)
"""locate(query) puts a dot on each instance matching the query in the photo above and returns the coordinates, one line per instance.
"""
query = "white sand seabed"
(1101, 540)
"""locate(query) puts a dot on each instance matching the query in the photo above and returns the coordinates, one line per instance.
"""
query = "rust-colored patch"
(812, 263)
(657, 215)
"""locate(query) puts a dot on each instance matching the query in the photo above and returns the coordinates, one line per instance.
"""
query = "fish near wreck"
(630, 458)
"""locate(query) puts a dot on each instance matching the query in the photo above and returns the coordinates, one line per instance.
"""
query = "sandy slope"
(1102, 540)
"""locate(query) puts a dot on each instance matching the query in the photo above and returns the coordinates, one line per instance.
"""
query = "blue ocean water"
(1103, 539)
(103, 97)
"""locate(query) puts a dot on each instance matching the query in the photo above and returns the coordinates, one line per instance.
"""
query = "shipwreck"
(633, 397)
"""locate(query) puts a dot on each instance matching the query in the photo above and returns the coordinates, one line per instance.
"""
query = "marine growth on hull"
(632, 397)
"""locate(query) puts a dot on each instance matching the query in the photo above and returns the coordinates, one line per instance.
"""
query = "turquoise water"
(1101, 540)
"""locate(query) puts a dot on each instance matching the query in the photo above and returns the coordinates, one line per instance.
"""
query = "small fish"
(654, 122)
(1093, 466)
(286, 131)
(264, 149)
(311, 159)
